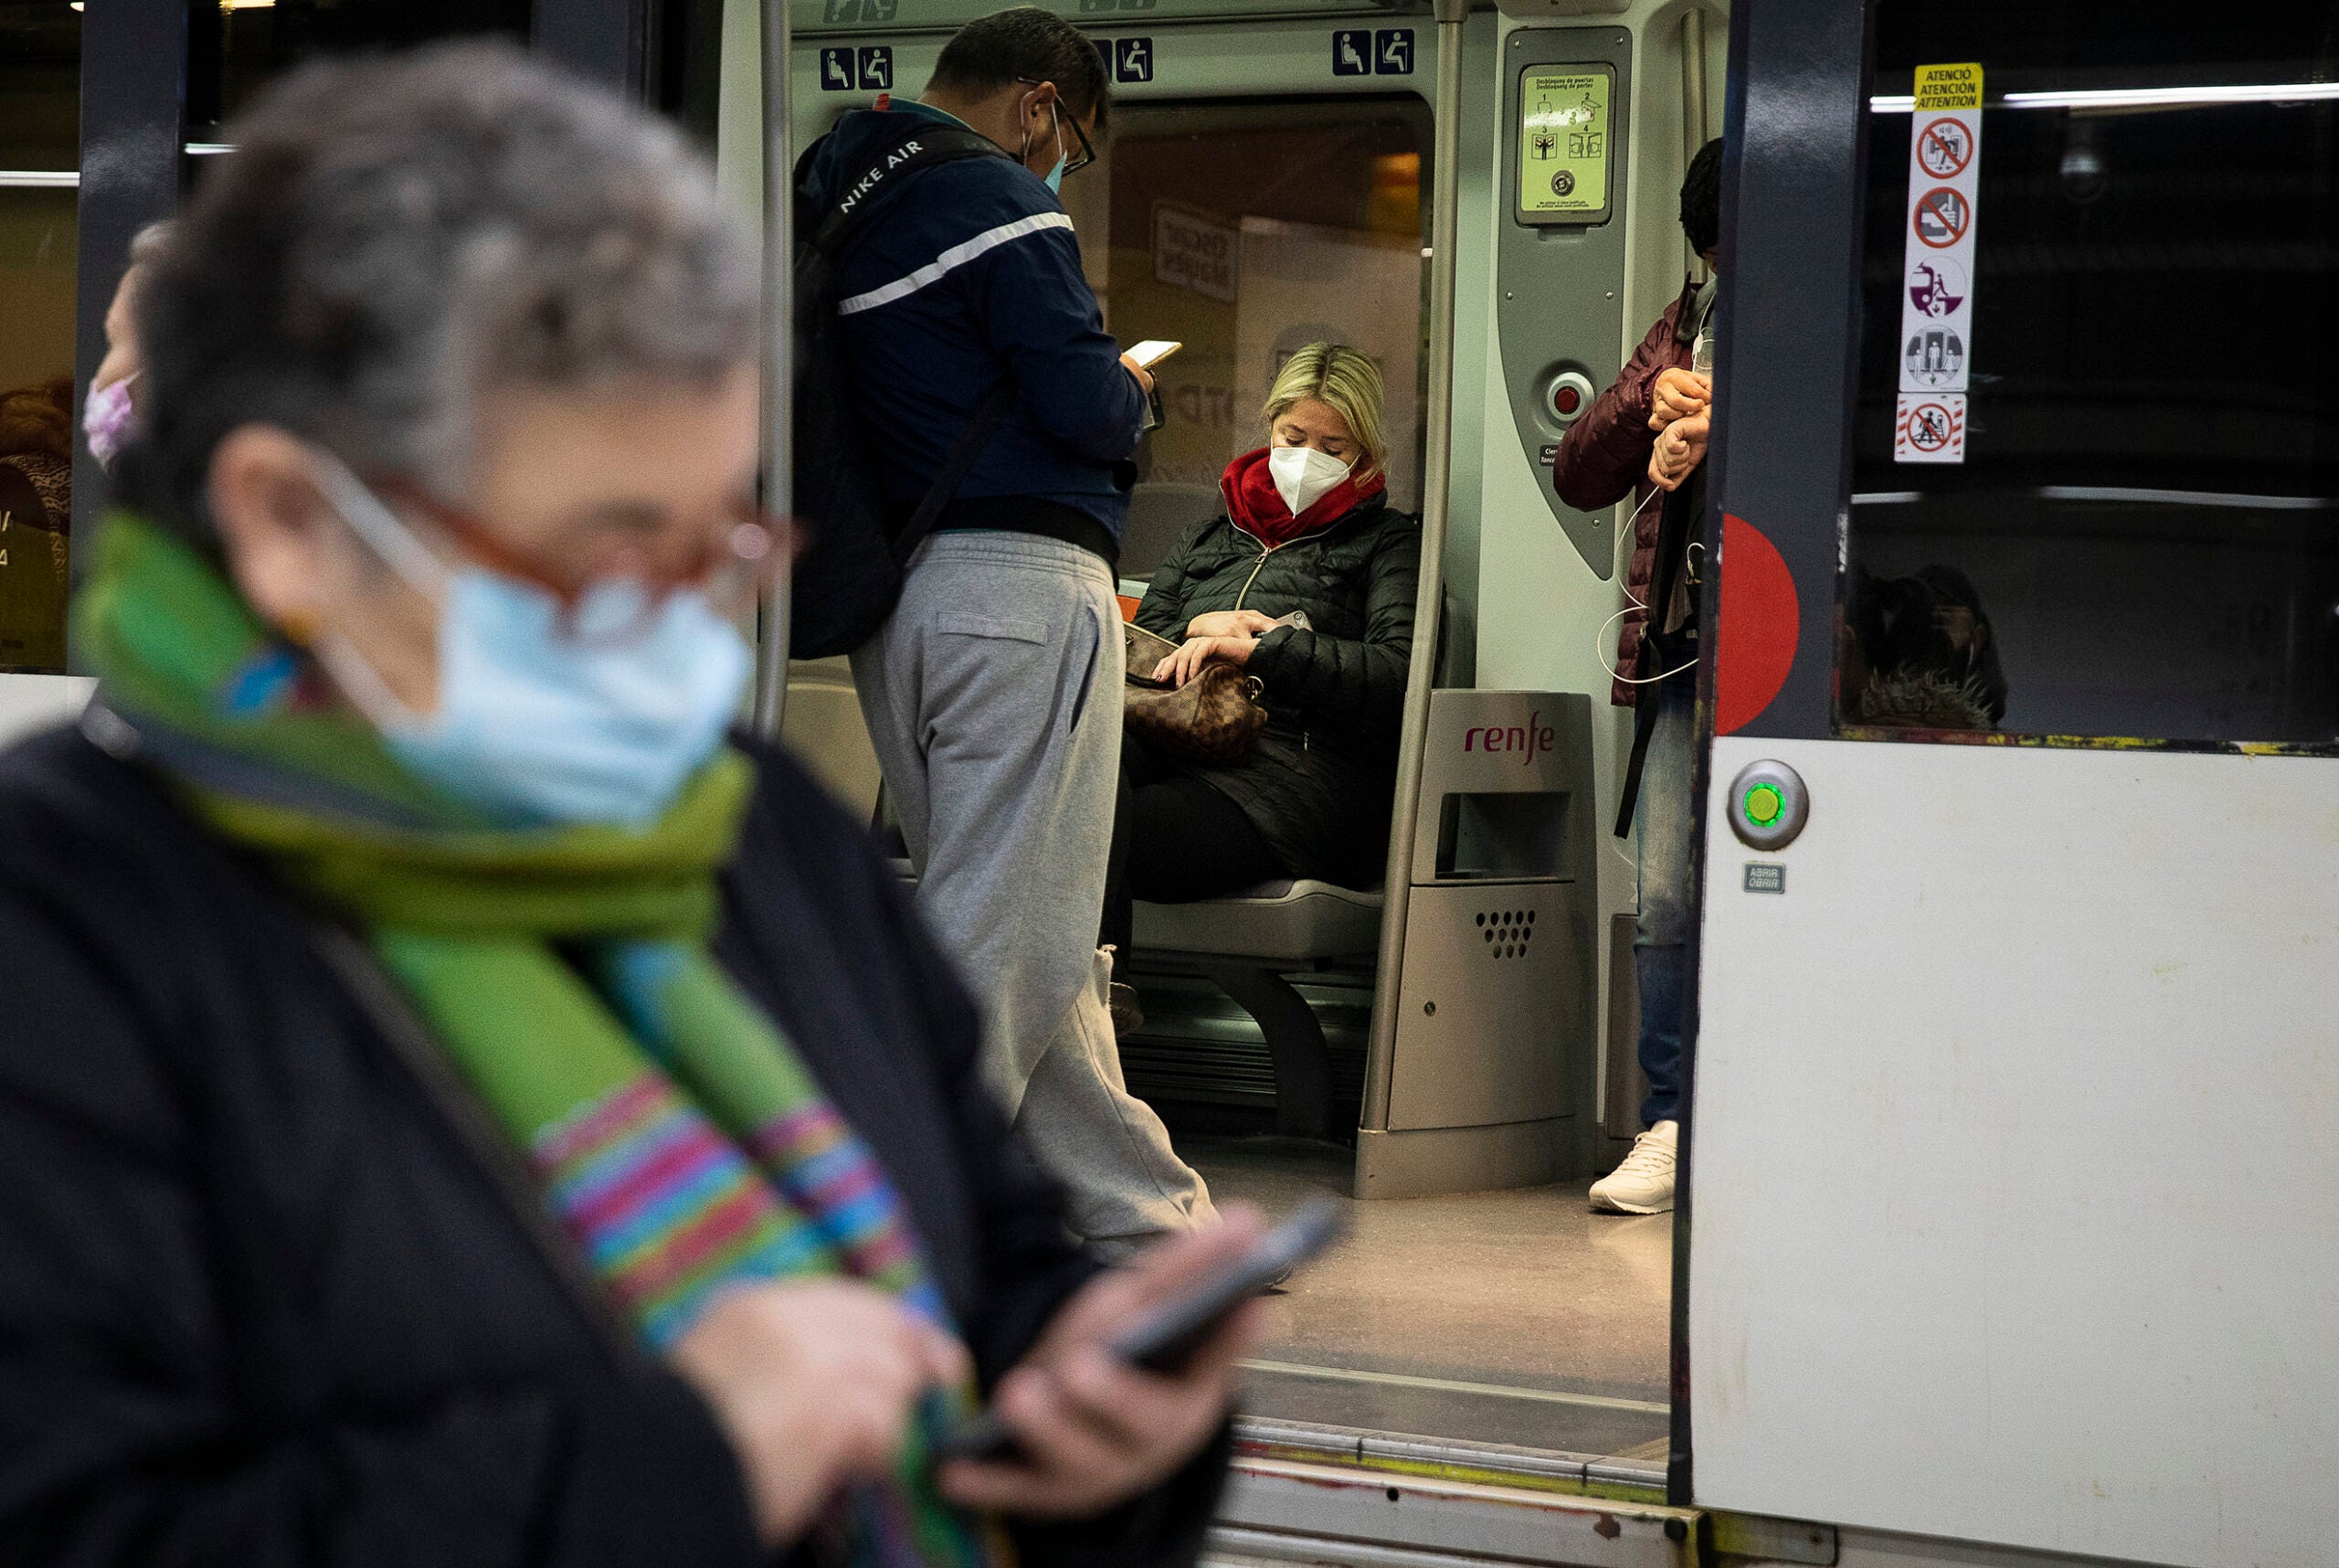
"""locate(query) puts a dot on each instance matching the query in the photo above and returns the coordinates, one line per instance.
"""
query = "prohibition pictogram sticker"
(1945, 147)
(1942, 216)
(1938, 276)
(1928, 428)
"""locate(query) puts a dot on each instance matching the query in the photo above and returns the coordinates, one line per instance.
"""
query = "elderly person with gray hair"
(456, 1107)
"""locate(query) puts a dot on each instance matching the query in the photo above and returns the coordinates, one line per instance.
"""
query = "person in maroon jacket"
(1644, 437)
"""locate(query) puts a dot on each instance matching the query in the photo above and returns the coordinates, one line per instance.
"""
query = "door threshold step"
(1345, 1516)
(1539, 1469)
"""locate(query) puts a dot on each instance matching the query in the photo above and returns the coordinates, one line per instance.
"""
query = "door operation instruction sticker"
(1937, 298)
(1564, 143)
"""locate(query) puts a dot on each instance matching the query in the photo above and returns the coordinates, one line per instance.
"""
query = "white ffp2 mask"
(1303, 475)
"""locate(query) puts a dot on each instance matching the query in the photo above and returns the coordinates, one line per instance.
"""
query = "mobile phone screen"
(1153, 350)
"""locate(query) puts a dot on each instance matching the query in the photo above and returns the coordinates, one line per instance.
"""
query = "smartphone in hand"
(1153, 350)
(1165, 1337)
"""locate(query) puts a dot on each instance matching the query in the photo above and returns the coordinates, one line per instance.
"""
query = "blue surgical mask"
(1054, 176)
(536, 724)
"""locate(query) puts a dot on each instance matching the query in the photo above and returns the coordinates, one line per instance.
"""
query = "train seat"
(1293, 920)
(1244, 942)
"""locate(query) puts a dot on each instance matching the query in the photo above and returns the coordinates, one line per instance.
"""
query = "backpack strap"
(988, 416)
(911, 151)
(916, 148)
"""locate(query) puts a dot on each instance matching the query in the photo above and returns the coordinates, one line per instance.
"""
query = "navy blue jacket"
(966, 275)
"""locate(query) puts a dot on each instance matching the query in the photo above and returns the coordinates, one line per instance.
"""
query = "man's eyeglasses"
(1078, 160)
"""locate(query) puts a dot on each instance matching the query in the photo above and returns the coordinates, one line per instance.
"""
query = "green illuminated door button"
(1772, 805)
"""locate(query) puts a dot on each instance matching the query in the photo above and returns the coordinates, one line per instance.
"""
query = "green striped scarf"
(680, 1139)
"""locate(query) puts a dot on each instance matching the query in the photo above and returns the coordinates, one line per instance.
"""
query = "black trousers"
(1175, 839)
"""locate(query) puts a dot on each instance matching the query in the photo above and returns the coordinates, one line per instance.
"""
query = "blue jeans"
(1661, 827)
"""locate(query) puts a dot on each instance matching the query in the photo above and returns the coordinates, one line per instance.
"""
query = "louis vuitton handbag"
(1213, 719)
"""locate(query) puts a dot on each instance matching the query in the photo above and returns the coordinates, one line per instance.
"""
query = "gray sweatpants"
(993, 696)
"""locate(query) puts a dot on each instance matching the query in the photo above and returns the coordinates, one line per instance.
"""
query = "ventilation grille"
(1506, 932)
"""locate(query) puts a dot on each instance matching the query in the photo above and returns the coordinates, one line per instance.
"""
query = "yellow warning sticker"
(1948, 87)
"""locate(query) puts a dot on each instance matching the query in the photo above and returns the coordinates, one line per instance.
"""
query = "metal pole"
(1694, 133)
(1430, 602)
(779, 361)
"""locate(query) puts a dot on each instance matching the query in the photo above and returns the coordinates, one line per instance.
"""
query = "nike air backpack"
(849, 576)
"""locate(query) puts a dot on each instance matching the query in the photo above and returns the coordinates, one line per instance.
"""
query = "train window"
(2124, 320)
(236, 47)
(40, 63)
(1245, 230)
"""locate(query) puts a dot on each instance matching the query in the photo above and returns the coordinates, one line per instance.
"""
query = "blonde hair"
(1343, 379)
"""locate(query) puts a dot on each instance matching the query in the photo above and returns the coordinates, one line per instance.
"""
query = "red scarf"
(1256, 506)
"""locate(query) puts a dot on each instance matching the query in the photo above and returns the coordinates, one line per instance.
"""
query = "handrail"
(779, 360)
(1429, 603)
(1694, 132)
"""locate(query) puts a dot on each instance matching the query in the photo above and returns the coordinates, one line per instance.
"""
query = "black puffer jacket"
(264, 1300)
(1319, 784)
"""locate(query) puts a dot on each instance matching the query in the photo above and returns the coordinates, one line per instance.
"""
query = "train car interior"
(2062, 704)
(1271, 181)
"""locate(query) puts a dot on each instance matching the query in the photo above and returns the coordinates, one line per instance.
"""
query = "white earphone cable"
(1616, 569)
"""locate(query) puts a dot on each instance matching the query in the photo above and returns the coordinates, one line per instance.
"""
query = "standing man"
(1644, 437)
(993, 692)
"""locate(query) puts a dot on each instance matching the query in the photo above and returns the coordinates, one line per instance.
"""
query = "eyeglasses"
(615, 594)
(1088, 153)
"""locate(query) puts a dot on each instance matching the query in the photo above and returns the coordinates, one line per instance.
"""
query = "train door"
(2014, 1183)
(1271, 180)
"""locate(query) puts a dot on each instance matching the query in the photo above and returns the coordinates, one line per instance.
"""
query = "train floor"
(1515, 1318)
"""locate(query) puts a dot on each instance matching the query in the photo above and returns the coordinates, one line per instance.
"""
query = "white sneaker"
(1642, 1183)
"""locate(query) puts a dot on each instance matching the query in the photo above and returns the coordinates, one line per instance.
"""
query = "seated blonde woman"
(1307, 527)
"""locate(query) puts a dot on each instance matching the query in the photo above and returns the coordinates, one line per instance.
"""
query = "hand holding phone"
(1153, 350)
(1164, 1336)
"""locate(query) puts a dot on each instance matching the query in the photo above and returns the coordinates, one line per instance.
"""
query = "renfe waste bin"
(1487, 1078)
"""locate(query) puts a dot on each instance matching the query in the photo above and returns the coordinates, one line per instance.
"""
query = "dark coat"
(261, 1303)
(1603, 458)
(1002, 297)
(1319, 784)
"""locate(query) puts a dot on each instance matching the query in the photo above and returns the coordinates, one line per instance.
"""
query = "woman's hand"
(1680, 395)
(1230, 623)
(814, 1382)
(1679, 450)
(1093, 1431)
(1187, 663)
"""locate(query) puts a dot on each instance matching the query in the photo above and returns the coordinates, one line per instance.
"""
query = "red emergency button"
(1567, 394)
